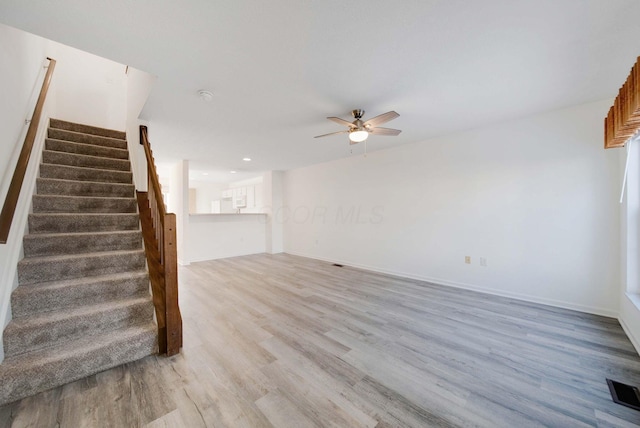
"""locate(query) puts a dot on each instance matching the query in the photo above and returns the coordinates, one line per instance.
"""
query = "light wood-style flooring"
(291, 342)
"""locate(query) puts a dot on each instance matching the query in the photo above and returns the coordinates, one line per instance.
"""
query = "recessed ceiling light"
(246, 159)
(232, 172)
(205, 95)
(205, 173)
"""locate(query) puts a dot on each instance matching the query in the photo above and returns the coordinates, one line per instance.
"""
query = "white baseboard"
(630, 335)
(439, 281)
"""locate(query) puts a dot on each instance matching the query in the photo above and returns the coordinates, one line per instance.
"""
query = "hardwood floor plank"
(149, 398)
(310, 399)
(391, 408)
(5, 416)
(113, 391)
(606, 420)
(40, 410)
(283, 413)
(232, 396)
(284, 341)
(172, 419)
(319, 382)
(82, 410)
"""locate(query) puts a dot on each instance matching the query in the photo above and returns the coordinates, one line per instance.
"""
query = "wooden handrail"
(151, 169)
(159, 234)
(10, 202)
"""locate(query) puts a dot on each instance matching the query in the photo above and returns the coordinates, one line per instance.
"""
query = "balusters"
(159, 229)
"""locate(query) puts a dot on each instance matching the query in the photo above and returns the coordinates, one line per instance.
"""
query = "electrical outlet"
(467, 259)
(483, 262)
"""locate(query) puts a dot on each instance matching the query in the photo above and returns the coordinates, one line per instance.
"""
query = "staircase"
(82, 304)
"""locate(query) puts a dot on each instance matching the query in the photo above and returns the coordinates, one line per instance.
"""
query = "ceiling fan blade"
(380, 119)
(385, 131)
(332, 133)
(342, 122)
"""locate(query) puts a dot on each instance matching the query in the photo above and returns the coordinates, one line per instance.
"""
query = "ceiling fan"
(359, 131)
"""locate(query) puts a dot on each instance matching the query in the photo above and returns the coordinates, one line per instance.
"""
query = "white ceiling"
(278, 68)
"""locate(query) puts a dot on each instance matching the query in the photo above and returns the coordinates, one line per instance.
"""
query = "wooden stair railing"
(159, 234)
(10, 202)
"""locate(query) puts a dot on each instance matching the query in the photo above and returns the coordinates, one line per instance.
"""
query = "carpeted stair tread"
(85, 138)
(72, 159)
(52, 268)
(85, 149)
(79, 137)
(49, 296)
(79, 173)
(37, 371)
(87, 129)
(44, 330)
(42, 244)
(53, 186)
(83, 204)
(83, 222)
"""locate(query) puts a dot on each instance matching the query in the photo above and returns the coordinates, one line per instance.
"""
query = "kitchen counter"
(215, 236)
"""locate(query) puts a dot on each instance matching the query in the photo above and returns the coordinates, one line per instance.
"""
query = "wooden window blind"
(623, 120)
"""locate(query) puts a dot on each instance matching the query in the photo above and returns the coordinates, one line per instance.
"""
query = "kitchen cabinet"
(251, 196)
(243, 197)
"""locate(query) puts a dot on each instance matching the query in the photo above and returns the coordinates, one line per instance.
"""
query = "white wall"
(217, 236)
(536, 197)
(139, 85)
(90, 89)
(272, 185)
(206, 192)
(248, 182)
(22, 58)
(178, 203)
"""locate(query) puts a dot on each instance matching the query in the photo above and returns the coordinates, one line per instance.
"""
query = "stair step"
(85, 149)
(51, 186)
(49, 244)
(72, 159)
(76, 173)
(32, 270)
(86, 129)
(82, 304)
(77, 137)
(59, 295)
(44, 330)
(84, 204)
(69, 223)
(66, 362)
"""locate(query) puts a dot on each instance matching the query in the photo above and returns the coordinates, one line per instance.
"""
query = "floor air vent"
(336, 265)
(626, 395)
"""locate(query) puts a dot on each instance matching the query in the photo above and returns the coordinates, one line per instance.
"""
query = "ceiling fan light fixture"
(359, 130)
(358, 136)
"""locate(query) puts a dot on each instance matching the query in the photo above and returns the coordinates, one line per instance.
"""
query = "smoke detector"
(205, 95)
